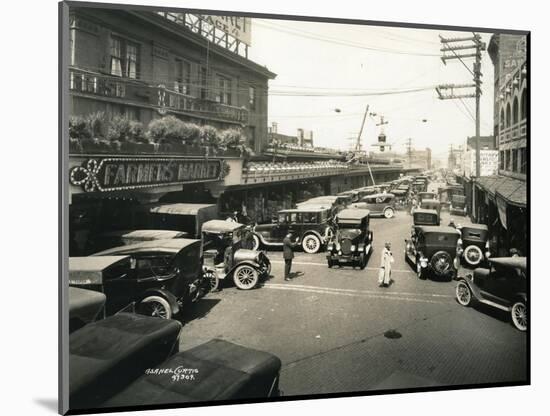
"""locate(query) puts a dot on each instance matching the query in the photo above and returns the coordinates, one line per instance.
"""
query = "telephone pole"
(453, 45)
(450, 46)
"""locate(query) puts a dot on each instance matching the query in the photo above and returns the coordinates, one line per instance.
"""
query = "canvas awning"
(511, 190)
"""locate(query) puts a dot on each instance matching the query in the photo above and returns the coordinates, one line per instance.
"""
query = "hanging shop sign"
(127, 173)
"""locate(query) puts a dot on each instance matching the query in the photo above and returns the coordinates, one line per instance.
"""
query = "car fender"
(169, 296)
(253, 264)
(261, 238)
(473, 288)
(316, 233)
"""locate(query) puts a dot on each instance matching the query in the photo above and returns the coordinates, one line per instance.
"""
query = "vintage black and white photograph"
(268, 207)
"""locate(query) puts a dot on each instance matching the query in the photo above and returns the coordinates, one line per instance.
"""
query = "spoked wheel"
(213, 280)
(311, 244)
(256, 243)
(389, 213)
(463, 294)
(473, 255)
(155, 306)
(519, 315)
(245, 277)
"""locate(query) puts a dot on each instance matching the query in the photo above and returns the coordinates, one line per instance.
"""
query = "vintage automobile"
(422, 216)
(446, 193)
(163, 276)
(107, 355)
(458, 205)
(502, 286)
(400, 197)
(426, 195)
(339, 202)
(353, 194)
(352, 240)
(419, 186)
(85, 306)
(133, 360)
(433, 249)
(181, 217)
(313, 227)
(431, 204)
(225, 257)
(221, 370)
(378, 204)
(118, 238)
(474, 244)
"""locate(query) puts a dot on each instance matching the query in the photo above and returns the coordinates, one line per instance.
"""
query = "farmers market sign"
(116, 174)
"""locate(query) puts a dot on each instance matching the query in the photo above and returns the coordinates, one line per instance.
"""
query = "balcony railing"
(157, 97)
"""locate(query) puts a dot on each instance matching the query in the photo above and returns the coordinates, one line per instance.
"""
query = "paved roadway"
(335, 330)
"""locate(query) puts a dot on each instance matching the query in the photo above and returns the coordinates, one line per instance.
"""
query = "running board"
(496, 305)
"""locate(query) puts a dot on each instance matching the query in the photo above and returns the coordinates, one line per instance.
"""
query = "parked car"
(378, 204)
(433, 249)
(431, 204)
(474, 244)
(352, 241)
(354, 195)
(446, 193)
(458, 205)
(225, 257)
(164, 275)
(426, 195)
(419, 186)
(118, 238)
(107, 355)
(233, 372)
(312, 227)
(181, 217)
(339, 202)
(85, 306)
(502, 286)
(422, 216)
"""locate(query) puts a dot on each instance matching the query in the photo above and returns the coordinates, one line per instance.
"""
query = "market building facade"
(503, 196)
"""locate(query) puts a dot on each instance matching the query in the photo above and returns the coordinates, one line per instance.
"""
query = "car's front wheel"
(155, 306)
(245, 277)
(213, 280)
(389, 213)
(311, 244)
(519, 315)
(463, 294)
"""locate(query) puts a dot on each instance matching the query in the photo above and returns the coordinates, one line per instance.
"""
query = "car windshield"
(425, 218)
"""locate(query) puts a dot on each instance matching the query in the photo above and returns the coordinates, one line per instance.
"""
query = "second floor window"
(124, 58)
(183, 77)
(224, 90)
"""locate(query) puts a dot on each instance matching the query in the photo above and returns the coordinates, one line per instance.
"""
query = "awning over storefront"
(511, 190)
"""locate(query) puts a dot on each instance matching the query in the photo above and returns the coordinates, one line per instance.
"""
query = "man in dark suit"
(288, 253)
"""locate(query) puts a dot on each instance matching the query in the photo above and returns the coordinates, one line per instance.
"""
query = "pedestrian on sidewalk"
(384, 275)
(288, 253)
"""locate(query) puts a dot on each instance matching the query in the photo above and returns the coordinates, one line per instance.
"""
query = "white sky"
(304, 63)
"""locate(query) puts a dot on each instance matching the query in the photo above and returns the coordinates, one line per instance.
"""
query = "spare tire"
(473, 255)
(441, 262)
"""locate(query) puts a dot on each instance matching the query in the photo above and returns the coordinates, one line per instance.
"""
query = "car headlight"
(330, 247)
(424, 262)
(340, 252)
(352, 248)
(487, 254)
(337, 246)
